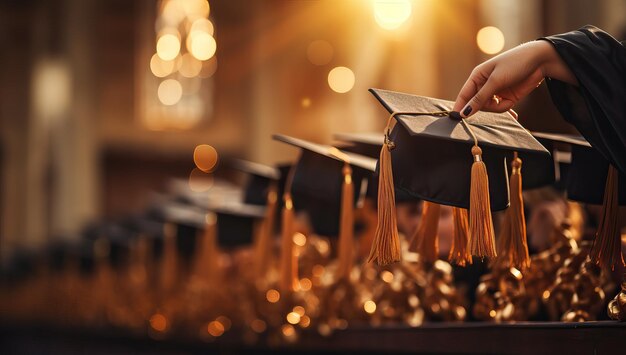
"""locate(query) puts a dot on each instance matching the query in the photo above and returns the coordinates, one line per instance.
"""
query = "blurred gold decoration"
(490, 40)
(617, 306)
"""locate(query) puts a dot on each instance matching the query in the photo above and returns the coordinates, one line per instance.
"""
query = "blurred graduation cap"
(592, 179)
(435, 155)
(260, 179)
(317, 181)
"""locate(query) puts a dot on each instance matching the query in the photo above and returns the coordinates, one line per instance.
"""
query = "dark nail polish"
(455, 115)
(467, 111)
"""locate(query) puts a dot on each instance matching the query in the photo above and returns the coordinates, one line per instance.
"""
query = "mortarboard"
(325, 183)
(260, 179)
(592, 179)
(428, 155)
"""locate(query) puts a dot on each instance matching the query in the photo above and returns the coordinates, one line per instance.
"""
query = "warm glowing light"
(288, 330)
(170, 91)
(387, 276)
(215, 328)
(545, 294)
(490, 40)
(168, 46)
(492, 313)
(305, 284)
(272, 296)
(299, 310)
(158, 322)
(205, 157)
(318, 270)
(161, 68)
(341, 79)
(299, 239)
(225, 321)
(319, 52)
(305, 321)
(202, 45)
(195, 8)
(391, 14)
(293, 318)
(203, 25)
(190, 66)
(209, 68)
(199, 181)
(258, 326)
(52, 90)
(306, 102)
(369, 306)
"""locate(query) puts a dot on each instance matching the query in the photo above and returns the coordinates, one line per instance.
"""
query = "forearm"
(552, 65)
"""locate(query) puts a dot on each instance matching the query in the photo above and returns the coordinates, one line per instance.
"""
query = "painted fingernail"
(455, 115)
(467, 111)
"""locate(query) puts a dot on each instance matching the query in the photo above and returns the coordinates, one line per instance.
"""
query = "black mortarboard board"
(258, 182)
(317, 182)
(236, 223)
(369, 144)
(584, 178)
(432, 159)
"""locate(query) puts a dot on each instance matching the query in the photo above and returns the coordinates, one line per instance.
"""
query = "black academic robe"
(597, 108)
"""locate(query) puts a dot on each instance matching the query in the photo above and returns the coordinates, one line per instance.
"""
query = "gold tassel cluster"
(346, 229)
(512, 243)
(386, 246)
(606, 249)
(459, 251)
(207, 266)
(482, 237)
(426, 238)
(264, 238)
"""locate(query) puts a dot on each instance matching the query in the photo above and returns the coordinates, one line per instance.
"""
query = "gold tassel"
(459, 252)
(386, 245)
(606, 249)
(265, 237)
(288, 270)
(512, 243)
(207, 266)
(482, 238)
(346, 229)
(426, 239)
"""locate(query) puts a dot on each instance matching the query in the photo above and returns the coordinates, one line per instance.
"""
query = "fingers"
(481, 98)
(476, 80)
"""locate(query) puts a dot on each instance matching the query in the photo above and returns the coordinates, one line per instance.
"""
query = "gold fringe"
(426, 239)
(459, 252)
(265, 236)
(346, 231)
(482, 238)
(606, 249)
(512, 242)
(386, 245)
(207, 266)
(288, 264)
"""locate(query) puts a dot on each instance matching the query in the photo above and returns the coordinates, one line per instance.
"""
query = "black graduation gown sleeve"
(598, 106)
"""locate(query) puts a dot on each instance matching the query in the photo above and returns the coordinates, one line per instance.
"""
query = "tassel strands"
(264, 238)
(288, 269)
(426, 238)
(606, 249)
(346, 231)
(386, 245)
(482, 237)
(512, 242)
(459, 252)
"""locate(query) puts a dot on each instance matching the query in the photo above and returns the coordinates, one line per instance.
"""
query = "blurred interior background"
(103, 102)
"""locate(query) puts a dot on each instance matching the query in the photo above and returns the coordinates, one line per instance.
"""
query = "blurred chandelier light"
(184, 54)
(391, 14)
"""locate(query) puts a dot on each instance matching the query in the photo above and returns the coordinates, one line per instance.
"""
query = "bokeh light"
(158, 322)
(319, 52)
(341, 79)
(215, 328)
(201, 45)
(203, 25)
(190, 66)
(369, 307)
(170, 91)
(305, 102)
(161, 68)
(205, 157)
(168, 46)
(199, 181)
(490, 40)
(299, 239)
(391, 14)
(272, 296)
(293, 318)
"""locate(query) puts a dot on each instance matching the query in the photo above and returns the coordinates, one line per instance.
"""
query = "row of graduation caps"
(429, 157)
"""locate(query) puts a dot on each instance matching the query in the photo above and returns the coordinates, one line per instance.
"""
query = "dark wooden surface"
(604, 337)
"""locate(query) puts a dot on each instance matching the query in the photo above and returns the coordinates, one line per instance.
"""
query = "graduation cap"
(591, 179)
(435, 155)
(260, 180)
(325, 183)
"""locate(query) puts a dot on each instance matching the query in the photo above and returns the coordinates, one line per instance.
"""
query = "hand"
(499, 83)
